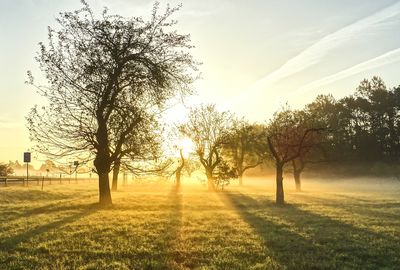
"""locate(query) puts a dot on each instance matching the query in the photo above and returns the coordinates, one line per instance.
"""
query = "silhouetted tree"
(178, 170)
(223, 174)
(241, 145)
(207, 128)
(5, 170)
(104, 75)
(288, 138)
(314, 156)
(314, 145)
(143, 144)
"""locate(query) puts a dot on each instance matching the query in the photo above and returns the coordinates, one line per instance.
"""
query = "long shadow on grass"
(11, 243)
(366, 208)
(162, 254)
(21, 195)
(173, 227)
(63, 205)
(299, 239)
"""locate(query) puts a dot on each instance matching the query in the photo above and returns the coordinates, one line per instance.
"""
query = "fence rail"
(39, 180)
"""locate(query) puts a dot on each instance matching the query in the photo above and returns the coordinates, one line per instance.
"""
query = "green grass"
(156, 227)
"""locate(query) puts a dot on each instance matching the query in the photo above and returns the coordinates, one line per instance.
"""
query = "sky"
(256, 55)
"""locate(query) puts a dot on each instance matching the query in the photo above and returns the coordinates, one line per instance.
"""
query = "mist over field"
(343, 223)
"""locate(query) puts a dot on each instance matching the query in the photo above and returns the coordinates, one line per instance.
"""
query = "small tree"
(241, 147)
(178, 170)
(104, 76)
(224, 174)
(5, 170)
(298, 165)
(313, 155)
(288, 138)
(207, 128)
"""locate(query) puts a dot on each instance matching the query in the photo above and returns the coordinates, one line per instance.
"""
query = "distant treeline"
(363, 130)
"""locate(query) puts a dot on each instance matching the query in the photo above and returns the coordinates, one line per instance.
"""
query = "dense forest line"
(363, 129)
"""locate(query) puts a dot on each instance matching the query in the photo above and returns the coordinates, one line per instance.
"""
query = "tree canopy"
(105, 75)
(208, 129)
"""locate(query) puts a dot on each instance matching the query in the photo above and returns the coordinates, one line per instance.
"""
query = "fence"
(40, 180)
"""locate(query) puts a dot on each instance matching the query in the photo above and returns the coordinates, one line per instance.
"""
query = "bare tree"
(178, 170)
(241, 147)
(104, 75)
(315, 154)
(288, 138)
(207, 128)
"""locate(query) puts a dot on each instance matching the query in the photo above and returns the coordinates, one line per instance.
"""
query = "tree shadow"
(14, 213)
(367, 208)
(148, 243)
(22, 195)
(299, 239)
(160, 238)
(173, 228)
(11, 243)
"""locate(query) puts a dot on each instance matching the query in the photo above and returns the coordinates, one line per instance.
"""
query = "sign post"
(76, 164)
(27, 159)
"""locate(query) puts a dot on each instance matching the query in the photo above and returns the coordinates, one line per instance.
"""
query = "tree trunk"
(211, 185)
(102, 162)
(115, 175)
(179, 169)
(240, 180)
(297, 180)
(210, 181)
(280, 197)
(178, 177)
(103, 165)
(104, 190)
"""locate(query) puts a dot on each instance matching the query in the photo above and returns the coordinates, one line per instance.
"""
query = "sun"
(186, 145)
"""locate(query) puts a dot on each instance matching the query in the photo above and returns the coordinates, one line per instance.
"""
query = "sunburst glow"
(186, 145)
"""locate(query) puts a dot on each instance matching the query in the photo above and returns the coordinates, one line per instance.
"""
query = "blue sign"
(27, 157)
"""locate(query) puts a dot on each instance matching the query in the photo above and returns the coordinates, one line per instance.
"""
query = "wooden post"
(27, 174)
(5, 181)
(42, 182)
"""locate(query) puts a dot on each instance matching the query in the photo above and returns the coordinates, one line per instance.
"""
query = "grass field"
(157, 227)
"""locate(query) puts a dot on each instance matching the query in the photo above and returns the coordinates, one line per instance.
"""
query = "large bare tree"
(104, 74)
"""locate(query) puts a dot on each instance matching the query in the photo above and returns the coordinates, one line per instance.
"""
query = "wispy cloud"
(316, 52)
(382, 60)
